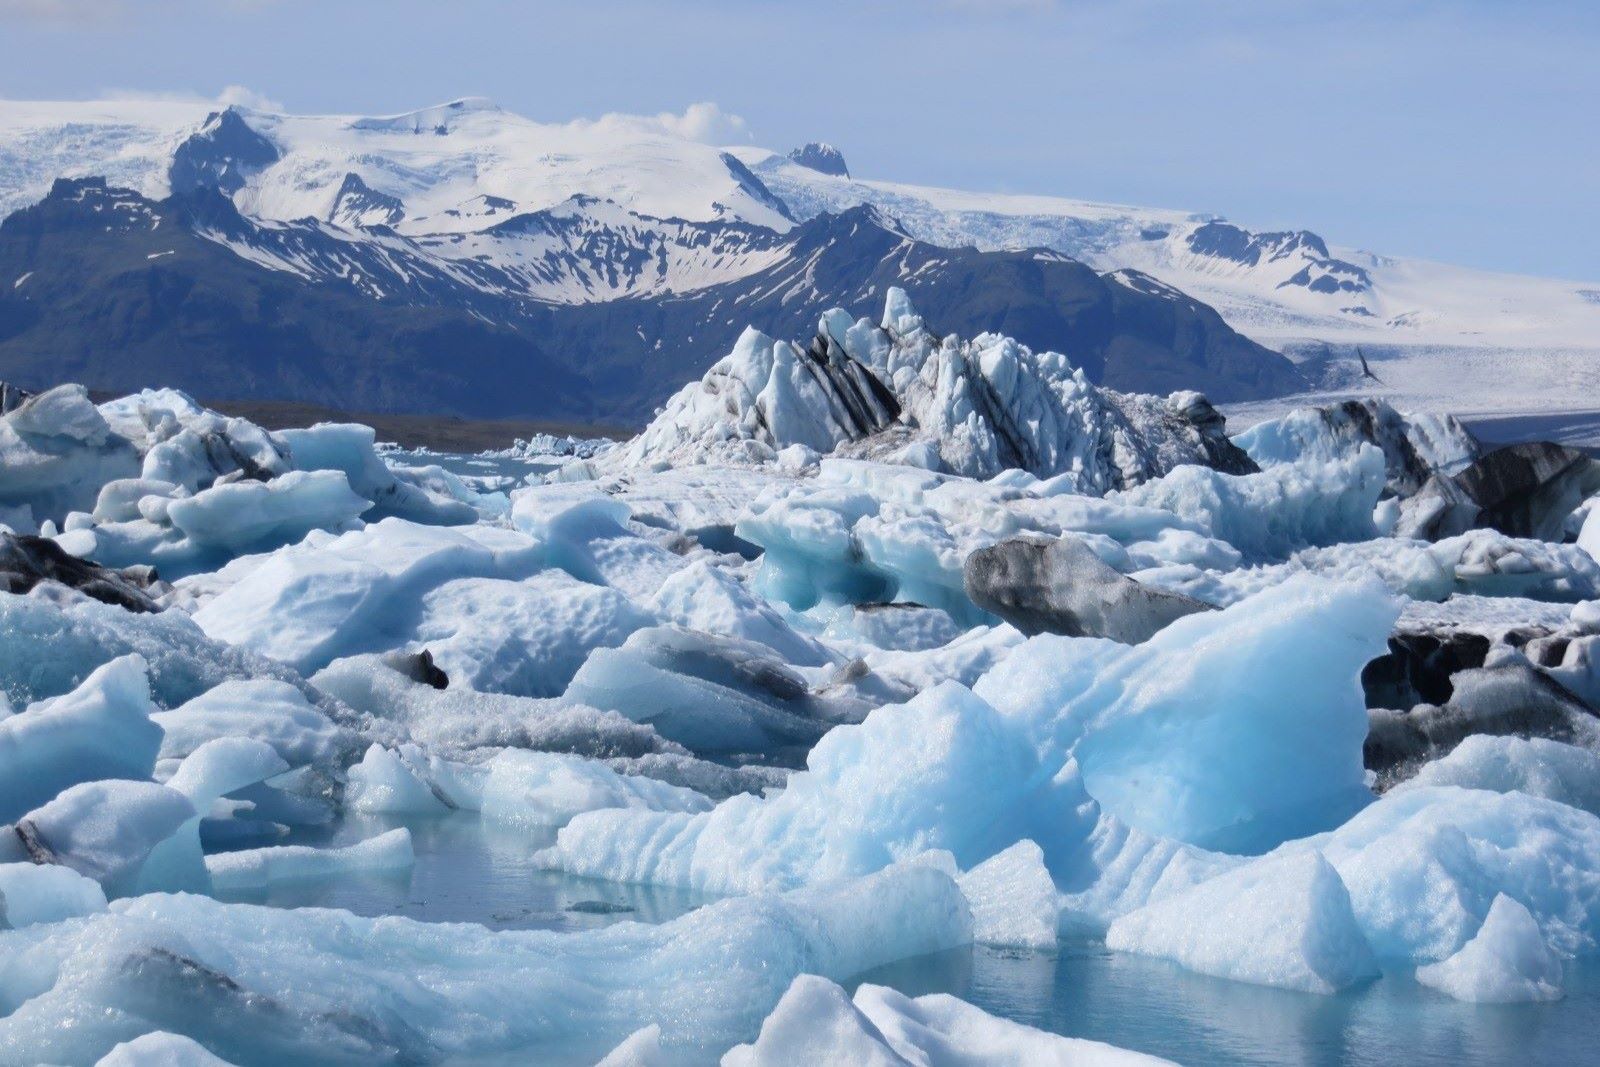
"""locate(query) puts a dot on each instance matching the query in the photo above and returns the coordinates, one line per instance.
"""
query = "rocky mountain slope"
(117, 290)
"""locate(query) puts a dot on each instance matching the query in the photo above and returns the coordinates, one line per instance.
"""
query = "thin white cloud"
(247, 97)
(232, 94)
(704, 121)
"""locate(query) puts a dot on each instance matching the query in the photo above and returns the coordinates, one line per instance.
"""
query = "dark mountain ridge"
(120, 292)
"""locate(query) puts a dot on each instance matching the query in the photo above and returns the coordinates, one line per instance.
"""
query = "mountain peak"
(221, 154)
(822, 158)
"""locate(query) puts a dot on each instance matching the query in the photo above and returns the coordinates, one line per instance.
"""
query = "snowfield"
(878, 647)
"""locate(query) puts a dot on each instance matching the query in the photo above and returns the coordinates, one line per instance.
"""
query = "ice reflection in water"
(1157, 1007)
(471, 871)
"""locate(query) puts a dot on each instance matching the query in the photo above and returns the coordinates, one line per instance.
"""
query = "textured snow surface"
(1174, 736)
(1282, 922)
(343, 987)
(1532, 765)
(1013, 899)
(1507, 960)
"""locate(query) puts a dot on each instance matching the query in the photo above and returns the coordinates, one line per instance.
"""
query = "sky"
(1464, 131)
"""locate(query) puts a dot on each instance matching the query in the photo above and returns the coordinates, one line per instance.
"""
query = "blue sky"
(1467, 131)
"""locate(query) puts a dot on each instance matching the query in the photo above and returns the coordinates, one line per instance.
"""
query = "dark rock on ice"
(1206, 430)
(1510, 698)
(1523, 490)
(1409, 459)
(419, 667)
(25, 561)
(713, 694)
(1060, 586)
(11, 397)
(822, 158)
(221, 155)
(1418, 667)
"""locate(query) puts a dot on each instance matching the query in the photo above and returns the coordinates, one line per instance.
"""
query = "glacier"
(872, 659)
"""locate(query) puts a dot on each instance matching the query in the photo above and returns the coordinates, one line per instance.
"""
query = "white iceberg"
(101, 729)
(261, 867)
(1506, 961)
(1283, 922)
(816, 1022)
(259, 983)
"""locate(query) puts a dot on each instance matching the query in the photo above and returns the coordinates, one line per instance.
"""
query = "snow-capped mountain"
(469, 207)
(448, 168)
(1434, 334)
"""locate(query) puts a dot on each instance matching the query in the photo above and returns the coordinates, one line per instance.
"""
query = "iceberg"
(1535, 766)
(347, 448)
(1506, 961)
(1285, 921)
(525, 638)
(265, 709)
(383, 783)
(1176, 737)
(1269, 514)
(1423, 867)
(312, 603)
(1013, 899)
(101, 729)
(108, 830)
(45, 893)
(57, 450)
(261, 867)
(1415, 445)
(898, 391)
(460, 720)
(816, 1022)
(709, 694)
(901, 643)
(255, 983)
(160, 1049)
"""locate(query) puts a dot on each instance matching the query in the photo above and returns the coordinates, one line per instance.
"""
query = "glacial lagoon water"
(471, 871)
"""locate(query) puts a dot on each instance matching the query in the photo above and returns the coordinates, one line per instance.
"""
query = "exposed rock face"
(221, 155)
(896, 390)
(1060, 586)
(358, 205)
(1510, 698)
(1419, 666)
(26, 561)
(822, 158)
(1524, 490)
(11, 397)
